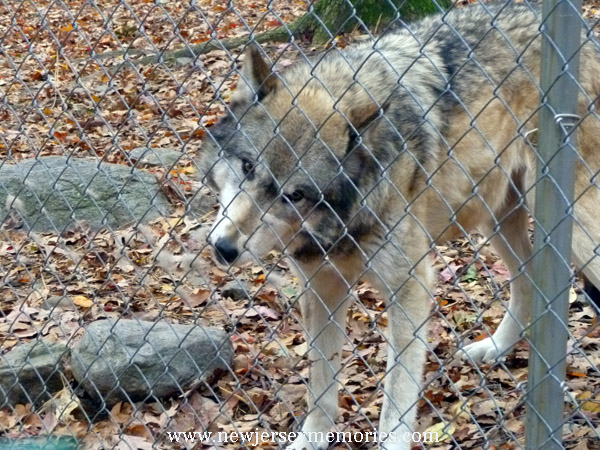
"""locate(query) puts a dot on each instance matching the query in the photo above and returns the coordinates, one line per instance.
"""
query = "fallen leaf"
(82, 301)
(589, 404)
(443, 431)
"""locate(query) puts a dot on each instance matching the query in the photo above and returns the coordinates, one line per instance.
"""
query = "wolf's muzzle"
(226, 251)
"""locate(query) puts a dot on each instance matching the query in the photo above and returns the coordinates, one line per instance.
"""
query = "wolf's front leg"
(408, 311)
(511, 241)
(323, 307)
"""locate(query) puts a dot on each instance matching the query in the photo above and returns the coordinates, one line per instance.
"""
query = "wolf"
(356, 162)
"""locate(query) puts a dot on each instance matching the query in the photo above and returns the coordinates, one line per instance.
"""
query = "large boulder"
(135, 360)
(54, 193)
(30, 372)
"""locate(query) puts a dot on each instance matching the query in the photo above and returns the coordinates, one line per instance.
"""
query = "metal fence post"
(552, 242)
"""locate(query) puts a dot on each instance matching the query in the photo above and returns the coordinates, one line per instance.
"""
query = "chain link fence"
(207, 244)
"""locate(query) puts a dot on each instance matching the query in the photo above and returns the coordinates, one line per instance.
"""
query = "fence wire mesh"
(205, 243)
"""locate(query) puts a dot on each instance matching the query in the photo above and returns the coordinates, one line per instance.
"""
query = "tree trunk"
(327, 18)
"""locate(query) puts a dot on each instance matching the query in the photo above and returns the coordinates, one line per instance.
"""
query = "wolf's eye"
(295, 196)
(247, 167)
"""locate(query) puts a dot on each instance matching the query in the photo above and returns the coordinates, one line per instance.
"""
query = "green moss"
(417, 9)
(375, 14)
(339, 16)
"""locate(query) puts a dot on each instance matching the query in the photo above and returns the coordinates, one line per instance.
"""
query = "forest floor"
(57, 100)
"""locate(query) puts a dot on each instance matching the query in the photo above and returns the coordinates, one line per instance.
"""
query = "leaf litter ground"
(59, 101)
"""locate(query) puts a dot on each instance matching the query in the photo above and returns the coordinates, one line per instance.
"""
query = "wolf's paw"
(485, 351)
(394, 446)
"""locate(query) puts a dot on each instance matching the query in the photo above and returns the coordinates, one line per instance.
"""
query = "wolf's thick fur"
(353, 163)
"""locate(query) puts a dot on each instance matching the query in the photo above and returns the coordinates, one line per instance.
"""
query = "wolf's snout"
(226, 250)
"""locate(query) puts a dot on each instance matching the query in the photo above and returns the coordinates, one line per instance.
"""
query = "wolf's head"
(288, 163)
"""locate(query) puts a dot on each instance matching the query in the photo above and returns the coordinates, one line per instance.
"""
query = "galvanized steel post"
(557, 156)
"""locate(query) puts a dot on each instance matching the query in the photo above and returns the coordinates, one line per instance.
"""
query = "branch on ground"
(280, 34)
(325, 19)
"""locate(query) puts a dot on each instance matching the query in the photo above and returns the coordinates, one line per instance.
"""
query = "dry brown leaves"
(266, 386)
(59, 100)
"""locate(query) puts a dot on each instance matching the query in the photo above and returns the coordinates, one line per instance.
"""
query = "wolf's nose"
(226, 251)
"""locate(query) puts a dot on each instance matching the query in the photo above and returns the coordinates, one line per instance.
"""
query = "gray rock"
(30, 372)
(130, 359)
(54, 193)
(155, 157)
(59, 303)
(235, 290)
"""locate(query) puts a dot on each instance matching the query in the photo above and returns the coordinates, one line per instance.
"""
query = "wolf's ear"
(364, 127)
(362, 115)
(257, 79)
